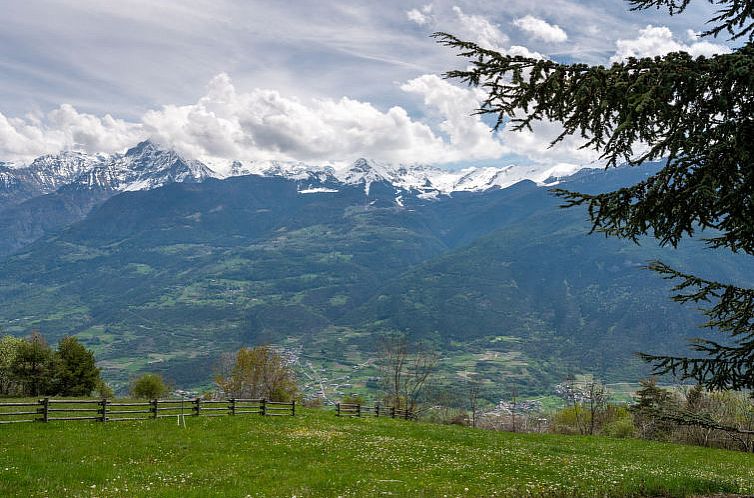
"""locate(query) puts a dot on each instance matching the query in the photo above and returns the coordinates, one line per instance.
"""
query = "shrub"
(620, 428)
(149, 386)
(570, 420)
(353, 399)
(312, 403)
(103, 389)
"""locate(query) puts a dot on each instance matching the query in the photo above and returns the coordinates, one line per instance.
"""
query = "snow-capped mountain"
(421, 180)
(142, 167)
(50, 172)
(147, 166)
(8, 180)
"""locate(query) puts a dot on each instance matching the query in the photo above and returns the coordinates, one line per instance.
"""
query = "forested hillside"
(502, 282)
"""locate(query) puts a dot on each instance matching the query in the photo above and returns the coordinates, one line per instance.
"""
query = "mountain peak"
(362, 164)
(145, 148)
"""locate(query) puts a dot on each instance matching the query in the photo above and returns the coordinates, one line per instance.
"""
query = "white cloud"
(263, 124)
(64, 128)
(659, 40)
(415, 15)
(535, 145)
(466, 132)
(541, 29)
(226, 124)
(488, 35)
(420, 17)
(483, 32)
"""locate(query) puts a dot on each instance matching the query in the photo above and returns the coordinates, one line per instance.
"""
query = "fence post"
(197, 406)
(263, 407)
(377, 410)
(405, 413)
(103, 410)
(337, 409)
(293, 408)
(45, 409)
(392, 412)
(154, 408)
(232, 406)
(358, 409)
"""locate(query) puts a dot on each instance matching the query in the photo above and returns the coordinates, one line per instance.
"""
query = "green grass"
(317, 454)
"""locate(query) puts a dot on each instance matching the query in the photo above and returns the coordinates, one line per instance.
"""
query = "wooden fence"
(376, 410)
(105, 410)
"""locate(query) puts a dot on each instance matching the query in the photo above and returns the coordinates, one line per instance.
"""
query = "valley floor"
(318, 454)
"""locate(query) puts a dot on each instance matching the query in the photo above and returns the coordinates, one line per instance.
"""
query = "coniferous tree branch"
(735, 18)
(696, 115)
(731, 312)
(686, 417)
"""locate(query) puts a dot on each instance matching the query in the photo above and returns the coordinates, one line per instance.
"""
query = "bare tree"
(587, 400)
(474, 386)
(405, 368)
(596, 398)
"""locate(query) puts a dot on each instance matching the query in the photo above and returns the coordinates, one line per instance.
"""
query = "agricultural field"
(318, 454)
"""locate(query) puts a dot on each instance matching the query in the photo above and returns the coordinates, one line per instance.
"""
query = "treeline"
(683, 414)
(30, 367)
(694, 415)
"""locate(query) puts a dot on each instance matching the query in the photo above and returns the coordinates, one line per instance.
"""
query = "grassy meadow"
(317, 454)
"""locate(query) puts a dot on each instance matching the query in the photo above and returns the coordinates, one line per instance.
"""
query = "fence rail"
(376, 410)
(105, 410)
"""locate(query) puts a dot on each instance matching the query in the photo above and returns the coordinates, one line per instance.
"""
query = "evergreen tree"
(77, 373)
(695, 114)
(652, 404)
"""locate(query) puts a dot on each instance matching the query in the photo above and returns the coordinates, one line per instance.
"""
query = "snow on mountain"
(147, 166)
(8, 180)
(423, 180)
(144, 166)
(50, 172)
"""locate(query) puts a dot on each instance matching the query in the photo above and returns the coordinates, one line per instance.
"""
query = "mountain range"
(161, 263)
(56, 190)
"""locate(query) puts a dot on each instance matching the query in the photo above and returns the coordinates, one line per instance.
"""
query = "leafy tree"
(149, 386)
(77, 373)
(695, 114)
(34, 366)
(8, 350)
(257, 372)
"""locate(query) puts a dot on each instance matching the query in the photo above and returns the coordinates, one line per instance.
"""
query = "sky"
(305, 80)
